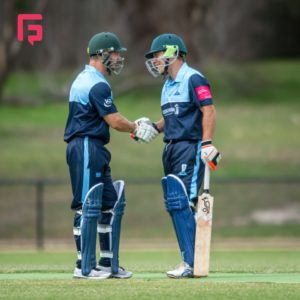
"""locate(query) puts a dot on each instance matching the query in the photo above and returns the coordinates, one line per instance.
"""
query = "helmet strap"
(106, 62)
(166, 68)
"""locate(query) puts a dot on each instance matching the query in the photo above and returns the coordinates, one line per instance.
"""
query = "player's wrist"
(133, 127)
(156, 127)
(207, 142)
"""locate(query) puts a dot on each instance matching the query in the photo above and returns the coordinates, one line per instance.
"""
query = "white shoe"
(183, 270)
(122, 273)
(94, 274)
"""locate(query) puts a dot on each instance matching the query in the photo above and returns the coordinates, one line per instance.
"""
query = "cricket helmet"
(104, 42)
(160, 44)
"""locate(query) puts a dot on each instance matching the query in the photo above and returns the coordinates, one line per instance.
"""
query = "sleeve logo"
(108, 102)
(203, 92)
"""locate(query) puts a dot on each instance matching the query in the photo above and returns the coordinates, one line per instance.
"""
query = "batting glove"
(210, 155)
(145, 131)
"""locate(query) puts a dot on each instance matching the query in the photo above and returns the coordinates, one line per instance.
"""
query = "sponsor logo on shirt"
(108, 102)
(203, 92)
(171, 110)
(176, 112)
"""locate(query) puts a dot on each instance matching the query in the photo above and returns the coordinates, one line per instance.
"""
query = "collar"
(90, 68)
(181, 72)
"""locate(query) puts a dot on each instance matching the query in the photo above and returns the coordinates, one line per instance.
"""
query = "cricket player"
(188, 122)
(91, 113)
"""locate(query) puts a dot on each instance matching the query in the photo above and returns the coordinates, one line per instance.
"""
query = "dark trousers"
(182, 158)
(88, 162)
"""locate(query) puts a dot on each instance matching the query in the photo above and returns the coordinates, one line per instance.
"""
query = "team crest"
(183, 170)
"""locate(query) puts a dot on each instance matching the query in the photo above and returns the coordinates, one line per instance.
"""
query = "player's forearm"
(125, 126)
(208, 122)
(120, 123)
(160, 125)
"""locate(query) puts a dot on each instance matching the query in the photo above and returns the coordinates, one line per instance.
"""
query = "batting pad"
(112, 227)
(90, 214)
(165, 190)
(116, 225)
(177, 204)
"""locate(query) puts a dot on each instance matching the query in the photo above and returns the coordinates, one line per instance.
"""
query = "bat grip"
(206, 178)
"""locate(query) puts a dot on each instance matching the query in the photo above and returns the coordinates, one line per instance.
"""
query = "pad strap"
(106, 254)
(103, 228)
(76, 231)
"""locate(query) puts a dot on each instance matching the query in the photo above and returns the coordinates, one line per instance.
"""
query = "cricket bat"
(203, 229)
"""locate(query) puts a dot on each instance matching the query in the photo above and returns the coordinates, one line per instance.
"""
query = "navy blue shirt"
(181, 100)
(89, 101)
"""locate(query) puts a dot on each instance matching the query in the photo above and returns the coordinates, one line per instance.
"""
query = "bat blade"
(203, 235)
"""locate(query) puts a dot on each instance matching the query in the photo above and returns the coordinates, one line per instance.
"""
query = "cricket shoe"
(183, 270)
(95, 274)
(122, 273)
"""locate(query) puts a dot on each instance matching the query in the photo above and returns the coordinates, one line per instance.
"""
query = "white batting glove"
(138, 140)
(149, 122)
(143, 119)
(145, 131)
(137, 123)
(210, 155)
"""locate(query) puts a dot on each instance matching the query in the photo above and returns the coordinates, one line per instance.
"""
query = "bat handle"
(206, 178)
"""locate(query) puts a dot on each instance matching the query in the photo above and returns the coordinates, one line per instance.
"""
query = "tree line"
(212, 29)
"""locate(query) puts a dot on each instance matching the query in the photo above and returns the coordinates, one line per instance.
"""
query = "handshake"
(145, 131)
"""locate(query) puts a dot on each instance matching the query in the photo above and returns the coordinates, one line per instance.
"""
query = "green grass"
(267, 81)
(255, 274)
(257, 132)
(257, 104)
(235, 208)
(249, 136)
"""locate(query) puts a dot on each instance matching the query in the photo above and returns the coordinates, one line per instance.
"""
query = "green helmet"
(161, 42)
(104, 42)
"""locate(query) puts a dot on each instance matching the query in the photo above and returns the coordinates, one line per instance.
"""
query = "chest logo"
(171, 110)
